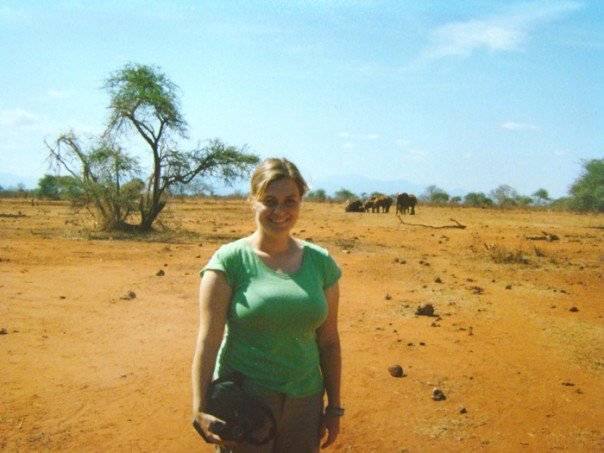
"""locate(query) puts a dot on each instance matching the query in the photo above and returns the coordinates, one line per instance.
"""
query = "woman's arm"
(328, 340)
(214, 300)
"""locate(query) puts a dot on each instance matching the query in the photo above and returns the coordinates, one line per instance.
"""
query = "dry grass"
(501, 254)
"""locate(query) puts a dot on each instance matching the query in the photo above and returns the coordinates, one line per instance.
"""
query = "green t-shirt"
(271, 326)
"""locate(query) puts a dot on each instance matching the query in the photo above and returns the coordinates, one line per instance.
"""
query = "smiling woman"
(276, 297)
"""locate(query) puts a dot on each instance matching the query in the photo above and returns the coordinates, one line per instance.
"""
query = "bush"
(588, 191)
(317, 195)
(477, 199)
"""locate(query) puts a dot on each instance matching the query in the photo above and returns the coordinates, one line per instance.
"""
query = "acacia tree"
(541, 196)
(145, 103)
(143, 99)
(505, 195)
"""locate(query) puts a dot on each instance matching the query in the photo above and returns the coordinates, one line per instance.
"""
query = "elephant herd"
(405, 203)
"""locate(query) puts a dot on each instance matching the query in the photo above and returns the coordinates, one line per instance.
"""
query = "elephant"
(368, 205)
(381, 201)
(406, 203)
(353, 205)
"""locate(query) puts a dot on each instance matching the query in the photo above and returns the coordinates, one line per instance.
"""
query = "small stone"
(396, 371)
(508, 286)
(129, 296)
(388, 297)
(477, 289)
(3, 331)
(438, 280)
(574, 309)
(160, 273)
(463, 410)
(425, 310)
(438, 395)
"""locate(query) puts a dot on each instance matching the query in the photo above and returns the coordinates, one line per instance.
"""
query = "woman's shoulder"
(234, 248)
(314, 249)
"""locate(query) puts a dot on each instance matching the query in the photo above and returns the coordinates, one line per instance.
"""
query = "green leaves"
(588, 190)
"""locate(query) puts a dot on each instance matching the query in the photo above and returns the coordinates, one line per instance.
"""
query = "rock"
(438, 395)
(129, 296)
(160, 273)
(508, 286)
(437, 280)
(396, 371)
(425, 310)
(3, 331)
(388, 297)
(477, 289)
(463, 410)
(574, 309)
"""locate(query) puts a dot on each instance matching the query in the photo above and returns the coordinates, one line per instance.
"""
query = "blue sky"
(466, 95)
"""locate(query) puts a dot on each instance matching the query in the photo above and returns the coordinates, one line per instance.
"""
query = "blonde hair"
(274, 169)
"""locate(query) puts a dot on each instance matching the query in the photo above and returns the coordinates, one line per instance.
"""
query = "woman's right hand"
(205, 422)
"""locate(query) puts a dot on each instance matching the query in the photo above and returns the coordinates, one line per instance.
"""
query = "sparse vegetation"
(477, 200)
(343, 195)
(501, 254)
(435, 195)
(588, 191)
(145, 102)
(317, 195)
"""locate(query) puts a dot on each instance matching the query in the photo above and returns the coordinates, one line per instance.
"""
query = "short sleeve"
(220, 262)
(331, 272)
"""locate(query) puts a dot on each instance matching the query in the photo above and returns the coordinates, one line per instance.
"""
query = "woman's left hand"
(330, 423)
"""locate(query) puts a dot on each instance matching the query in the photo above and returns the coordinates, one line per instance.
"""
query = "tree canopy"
(588, 191)
(145, 103)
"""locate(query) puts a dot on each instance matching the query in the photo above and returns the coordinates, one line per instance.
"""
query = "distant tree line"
(586, 194)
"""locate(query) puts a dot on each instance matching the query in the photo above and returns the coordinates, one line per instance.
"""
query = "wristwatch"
(337, 411)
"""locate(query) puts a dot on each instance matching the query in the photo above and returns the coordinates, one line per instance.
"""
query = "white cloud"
(560, 152)
(512, 126)
(18, 118)
(59, 94)
(348, 145)
(416, 154)
(348, 135)
(402, 142)
(17, 121)
(505, 32)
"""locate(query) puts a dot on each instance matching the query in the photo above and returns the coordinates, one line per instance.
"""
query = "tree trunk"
(149, 216)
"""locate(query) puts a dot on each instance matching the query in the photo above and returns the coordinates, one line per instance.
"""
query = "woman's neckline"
(301, 243)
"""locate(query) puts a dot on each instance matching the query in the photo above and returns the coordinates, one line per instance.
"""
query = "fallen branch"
(457, 224)
(546, 237)
(12, 216)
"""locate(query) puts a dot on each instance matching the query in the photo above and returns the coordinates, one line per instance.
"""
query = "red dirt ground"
(87, 368)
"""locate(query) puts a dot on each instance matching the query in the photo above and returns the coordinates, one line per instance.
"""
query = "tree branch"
(457, 224)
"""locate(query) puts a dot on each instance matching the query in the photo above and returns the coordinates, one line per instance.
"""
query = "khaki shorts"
(298, 426)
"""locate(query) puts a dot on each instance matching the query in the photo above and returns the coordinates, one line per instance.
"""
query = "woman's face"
(277, 210)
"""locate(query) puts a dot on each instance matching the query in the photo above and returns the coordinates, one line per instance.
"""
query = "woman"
(278, 298)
